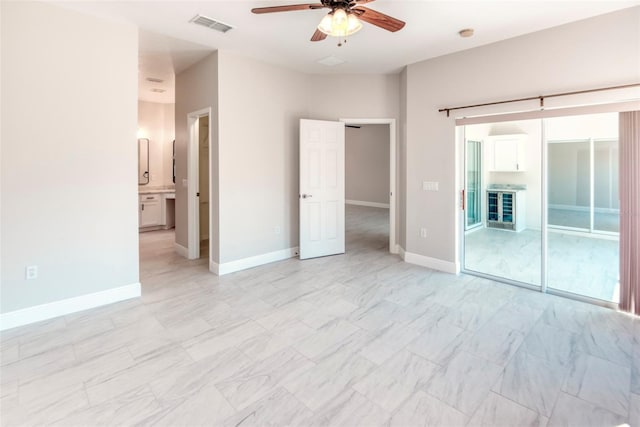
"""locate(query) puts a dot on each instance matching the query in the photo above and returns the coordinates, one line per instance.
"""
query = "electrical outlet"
(277, 229)
(31, 272)
(423, 233)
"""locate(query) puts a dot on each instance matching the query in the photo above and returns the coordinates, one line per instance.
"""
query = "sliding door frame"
(541, 115)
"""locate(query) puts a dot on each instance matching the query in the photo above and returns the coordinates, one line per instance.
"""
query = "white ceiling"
(169, 43)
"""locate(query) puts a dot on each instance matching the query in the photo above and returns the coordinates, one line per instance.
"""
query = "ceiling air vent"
(211, 23)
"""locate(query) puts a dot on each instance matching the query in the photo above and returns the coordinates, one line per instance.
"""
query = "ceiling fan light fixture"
(339, 23)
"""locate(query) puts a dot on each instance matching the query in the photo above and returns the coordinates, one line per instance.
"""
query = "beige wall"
(156, 122)
(367, 163)
(69, 156)
(169, 114)
(260, 110)
(196, 89)
(258, 142)
(331, 97)
(401, 217)
(596, 52)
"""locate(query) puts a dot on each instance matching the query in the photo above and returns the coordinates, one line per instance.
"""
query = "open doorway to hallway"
(368, 186)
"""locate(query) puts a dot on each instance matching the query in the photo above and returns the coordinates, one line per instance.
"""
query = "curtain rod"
(540, 97)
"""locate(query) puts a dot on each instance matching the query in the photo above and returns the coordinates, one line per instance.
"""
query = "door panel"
(322, 179)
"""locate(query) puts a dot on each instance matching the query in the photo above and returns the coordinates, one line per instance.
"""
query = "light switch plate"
(185, 182)
(430, 186)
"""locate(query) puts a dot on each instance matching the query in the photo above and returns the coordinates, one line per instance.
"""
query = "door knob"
(304, 196)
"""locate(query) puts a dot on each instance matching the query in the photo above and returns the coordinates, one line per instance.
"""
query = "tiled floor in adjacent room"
(356, 339)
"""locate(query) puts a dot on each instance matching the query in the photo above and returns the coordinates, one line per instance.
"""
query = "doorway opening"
(370, 192)
(198, 184)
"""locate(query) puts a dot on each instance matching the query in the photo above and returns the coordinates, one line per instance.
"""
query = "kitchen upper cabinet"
(507, 153)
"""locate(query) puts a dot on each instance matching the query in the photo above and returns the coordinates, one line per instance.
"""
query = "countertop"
(156, 190)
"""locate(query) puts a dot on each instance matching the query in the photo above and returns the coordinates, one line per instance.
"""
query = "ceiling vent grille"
(211, 23)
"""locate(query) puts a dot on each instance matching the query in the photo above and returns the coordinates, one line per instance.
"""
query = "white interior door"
(322, 178)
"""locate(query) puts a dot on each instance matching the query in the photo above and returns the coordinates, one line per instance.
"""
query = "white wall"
(257, 132)
(196, 89)
(367, 163)
(596, 52)
(401, 223)
(69, 156)
(260, 108)
(156, 122)
(331, 97)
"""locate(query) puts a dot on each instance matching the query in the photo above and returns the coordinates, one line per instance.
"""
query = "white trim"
(369, 204)
(433, 263)
(400, 251)
(214, 267)
(50, 310)
(583, 209)
(193, 205)
(250, 262)
(181, 250)
(393, 189)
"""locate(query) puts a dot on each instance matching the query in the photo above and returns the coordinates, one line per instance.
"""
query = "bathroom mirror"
(143, 161)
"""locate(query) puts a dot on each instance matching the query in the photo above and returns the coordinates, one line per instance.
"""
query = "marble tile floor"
(361, 339)
(581, 265)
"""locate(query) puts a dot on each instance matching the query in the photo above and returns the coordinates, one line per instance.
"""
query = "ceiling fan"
(343, 19)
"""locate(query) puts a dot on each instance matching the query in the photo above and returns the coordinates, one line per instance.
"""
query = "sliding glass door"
(473, 185)
(583, 206)
(577, 208)
(506, 201)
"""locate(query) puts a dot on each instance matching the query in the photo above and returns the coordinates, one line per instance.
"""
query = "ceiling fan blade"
(362, 1)
(318, 36)
(379, 19)
(287, 8)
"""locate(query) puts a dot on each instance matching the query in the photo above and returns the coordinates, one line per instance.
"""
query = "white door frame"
(193, 204)
(393, 190)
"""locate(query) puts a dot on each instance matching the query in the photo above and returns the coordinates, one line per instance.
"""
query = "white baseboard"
(400, 251)
(181, 250)
(214, 267)
(434, 263)
(254, 261)
(370, 204)
(50, 310)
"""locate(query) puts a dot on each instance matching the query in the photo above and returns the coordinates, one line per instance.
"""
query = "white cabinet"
(150, 210)
(507, 153)
(156, 210)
